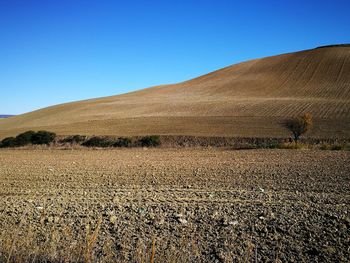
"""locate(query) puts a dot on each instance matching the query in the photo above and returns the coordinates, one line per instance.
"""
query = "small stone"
(141, 210)
(233, 223)
(182, 221)
(178, 215)
(225, 221)
(113, 219)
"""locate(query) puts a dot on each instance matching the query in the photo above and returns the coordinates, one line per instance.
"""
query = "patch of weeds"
(270, 144)
(337, 147)
(334, 147)
(292, 145)
(245, 146)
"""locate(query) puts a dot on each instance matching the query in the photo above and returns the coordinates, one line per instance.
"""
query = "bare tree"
(298, 125)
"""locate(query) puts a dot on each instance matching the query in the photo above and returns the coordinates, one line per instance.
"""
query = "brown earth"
(248, 99)
(196, 205)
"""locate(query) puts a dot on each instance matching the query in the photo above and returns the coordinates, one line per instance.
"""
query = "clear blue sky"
(59, 51)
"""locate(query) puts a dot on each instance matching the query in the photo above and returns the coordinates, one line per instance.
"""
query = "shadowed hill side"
(246, 99)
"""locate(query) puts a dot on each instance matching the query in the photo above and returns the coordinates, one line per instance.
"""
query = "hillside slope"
(246, 99)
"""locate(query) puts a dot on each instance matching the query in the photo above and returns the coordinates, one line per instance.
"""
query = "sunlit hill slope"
(246, 99)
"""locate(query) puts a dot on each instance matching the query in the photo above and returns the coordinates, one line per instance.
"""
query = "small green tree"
(298, 125)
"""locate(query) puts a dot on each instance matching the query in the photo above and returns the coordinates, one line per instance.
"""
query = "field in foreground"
(174, 205)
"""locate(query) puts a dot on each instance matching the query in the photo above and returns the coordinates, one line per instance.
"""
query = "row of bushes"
(146, 141)
(28, 137)
(292, 145)
(97, 141)
(45, 137)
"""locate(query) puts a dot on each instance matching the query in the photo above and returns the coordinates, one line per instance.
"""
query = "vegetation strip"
(238, 143)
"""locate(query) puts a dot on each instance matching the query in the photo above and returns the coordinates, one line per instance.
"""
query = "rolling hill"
(246, 99)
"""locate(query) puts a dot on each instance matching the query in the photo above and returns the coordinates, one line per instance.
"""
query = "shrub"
(8, 142)
(28, 137)
(24, 138)
(298, 126)
(347, 147)
(337, 147)
(326, 146)
(74, 139)
(333, 147)
(98, 142)
(150, 141)
(123, 142)
(43, 137)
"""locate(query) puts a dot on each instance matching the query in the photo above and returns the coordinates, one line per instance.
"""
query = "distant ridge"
(248, 99)
(336, 45)
(3, 116)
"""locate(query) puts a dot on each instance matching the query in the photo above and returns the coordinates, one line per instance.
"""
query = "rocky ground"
(174, 205)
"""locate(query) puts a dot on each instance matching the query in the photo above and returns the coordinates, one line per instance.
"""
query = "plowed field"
(193, 205)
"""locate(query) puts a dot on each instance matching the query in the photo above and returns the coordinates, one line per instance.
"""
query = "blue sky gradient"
(59, 51)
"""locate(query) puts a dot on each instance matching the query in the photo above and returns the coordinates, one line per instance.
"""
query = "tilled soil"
(194, 205)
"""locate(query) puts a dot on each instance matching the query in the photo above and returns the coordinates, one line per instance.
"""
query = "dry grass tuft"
(153, 250)
(49, 245)
(19, 245)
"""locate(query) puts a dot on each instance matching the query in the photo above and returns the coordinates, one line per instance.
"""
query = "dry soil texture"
(196, 205)
(247, 99)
